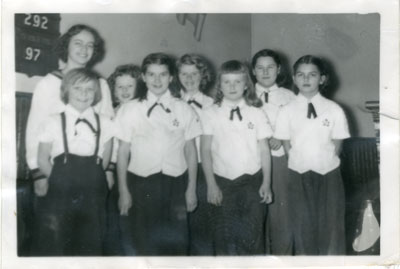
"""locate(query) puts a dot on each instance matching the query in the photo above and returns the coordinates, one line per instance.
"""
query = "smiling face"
(308, 78)
(266, 71)
(81, 95)
(125, 87)
(80, 49)
(157, 78)
(233, 86)
(190, 78)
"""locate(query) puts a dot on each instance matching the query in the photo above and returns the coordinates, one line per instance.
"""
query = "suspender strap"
(64, 131)
(97, 134)
(65, 142)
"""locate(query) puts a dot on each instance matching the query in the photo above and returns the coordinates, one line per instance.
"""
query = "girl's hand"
(274, 143)
(41, 187)
(214, 195)
(124, 202)
(191, 200)
(265, 194)
(110, 179)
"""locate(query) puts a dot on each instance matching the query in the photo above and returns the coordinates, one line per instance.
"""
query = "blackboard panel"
(35, 37)
(41, 23)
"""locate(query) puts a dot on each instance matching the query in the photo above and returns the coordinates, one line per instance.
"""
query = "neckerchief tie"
(266, 97)
(237, 110)
(192, 101)
(87, 123)
(311, 111)
(167, 110)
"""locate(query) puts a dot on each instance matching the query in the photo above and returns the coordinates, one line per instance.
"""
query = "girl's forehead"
(307, 68)
(265, 60)
(85, 35)
(83, 82)
(188, 68)
(125, 77)
(157, 68)
(233, 76)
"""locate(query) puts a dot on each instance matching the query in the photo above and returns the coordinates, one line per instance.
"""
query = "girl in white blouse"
(312, 129)
(74, 148)
(236, 161)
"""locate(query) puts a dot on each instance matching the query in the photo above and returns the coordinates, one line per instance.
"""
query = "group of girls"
(173, 171)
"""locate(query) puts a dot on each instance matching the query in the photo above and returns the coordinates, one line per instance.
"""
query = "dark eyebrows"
(269, 65)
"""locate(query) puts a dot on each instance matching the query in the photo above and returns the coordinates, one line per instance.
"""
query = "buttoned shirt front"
(205, 102)
(234, 146)
(278, 97)
(157, 141)
(312, 147)
(46, 101)
(81, 138)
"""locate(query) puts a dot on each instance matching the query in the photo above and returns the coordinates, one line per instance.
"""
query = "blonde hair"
(236, 67)
(80, 75)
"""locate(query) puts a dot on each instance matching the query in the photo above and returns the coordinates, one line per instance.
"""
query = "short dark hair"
(282, 76)
(158, 58)
(80, 75)
(319, 63)
(61, 47)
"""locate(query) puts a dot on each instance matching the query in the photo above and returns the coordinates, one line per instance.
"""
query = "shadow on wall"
(350, 119)
(286, 69)
(333, 87)
(334, 82)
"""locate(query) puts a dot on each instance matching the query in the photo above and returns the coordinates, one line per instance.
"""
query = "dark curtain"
(24, 184)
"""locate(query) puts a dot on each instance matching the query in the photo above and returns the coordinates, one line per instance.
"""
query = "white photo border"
(389, 101)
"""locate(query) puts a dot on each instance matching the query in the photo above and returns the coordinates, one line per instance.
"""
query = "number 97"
(32, 54)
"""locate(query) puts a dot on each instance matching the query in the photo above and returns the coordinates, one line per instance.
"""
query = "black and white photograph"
(177, 135)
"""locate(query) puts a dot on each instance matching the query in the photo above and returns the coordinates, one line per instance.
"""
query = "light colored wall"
(349, 41)
(130, 37)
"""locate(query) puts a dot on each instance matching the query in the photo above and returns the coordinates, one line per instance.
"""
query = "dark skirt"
(279, 233)
(70, 219)
(240, 220)
(157, 221)
(201, 221)
(317, 213)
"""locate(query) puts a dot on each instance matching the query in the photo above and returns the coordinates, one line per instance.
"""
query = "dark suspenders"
(65, 142)
(64, 130)
(97, 135)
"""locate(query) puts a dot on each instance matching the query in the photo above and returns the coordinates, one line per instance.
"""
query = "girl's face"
(81, 95)
(80, 48)
(266, 71)
(233, 86)
(308, 78)
(157, 79)
(190, 77)
(125, 87)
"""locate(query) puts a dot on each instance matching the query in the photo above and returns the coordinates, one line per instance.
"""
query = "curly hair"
(80, 75)
(61, 47)
(202, 65)
(319, 63)
(121, 70)
(236, 67)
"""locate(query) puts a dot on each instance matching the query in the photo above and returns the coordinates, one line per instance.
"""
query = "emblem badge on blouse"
(250, 125)
(175, 122)
(325, 122)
